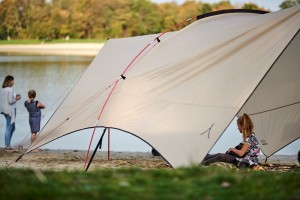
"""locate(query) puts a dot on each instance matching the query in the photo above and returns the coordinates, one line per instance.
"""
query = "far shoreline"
(79, 49)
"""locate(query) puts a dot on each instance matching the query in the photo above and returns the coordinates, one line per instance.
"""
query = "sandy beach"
(80, 49)
(74, 160)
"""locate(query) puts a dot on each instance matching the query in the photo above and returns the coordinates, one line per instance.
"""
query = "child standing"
(34, 109)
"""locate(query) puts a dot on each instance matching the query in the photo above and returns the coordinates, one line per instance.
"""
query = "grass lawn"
(132, 183)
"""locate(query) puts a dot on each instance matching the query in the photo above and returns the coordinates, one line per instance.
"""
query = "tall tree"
(169, 15)
(39, 21)
(289, 3)
(61, 18)
(53, 19)
(11, 23)
(252, 6)
(144, 19)
(222, 5)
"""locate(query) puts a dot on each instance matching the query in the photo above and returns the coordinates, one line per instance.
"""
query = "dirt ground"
(76, 160)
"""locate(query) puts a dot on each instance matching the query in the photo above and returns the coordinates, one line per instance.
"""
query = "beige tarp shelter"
(180, 94)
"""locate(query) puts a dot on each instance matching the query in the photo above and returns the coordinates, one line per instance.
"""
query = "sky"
(272, 5)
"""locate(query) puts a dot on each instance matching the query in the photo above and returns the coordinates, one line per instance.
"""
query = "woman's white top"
(8, 102)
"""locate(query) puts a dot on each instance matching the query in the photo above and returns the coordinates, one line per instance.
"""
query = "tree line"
(85, 19)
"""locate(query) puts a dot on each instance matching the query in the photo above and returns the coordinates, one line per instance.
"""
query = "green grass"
(52, 41)
(133, 183)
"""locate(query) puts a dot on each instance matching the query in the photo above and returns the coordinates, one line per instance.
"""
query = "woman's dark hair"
(7, 80)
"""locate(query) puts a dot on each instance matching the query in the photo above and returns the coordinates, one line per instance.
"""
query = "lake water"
(53, 77)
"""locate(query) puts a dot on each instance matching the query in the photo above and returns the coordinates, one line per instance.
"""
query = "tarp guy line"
(123, 77)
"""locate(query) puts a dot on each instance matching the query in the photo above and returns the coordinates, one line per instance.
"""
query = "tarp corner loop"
(123, 77)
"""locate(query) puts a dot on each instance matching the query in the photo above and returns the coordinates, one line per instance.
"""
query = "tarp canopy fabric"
(180, 95)
(275, 105)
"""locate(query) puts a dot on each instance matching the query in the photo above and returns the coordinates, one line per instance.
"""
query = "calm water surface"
(53, 77)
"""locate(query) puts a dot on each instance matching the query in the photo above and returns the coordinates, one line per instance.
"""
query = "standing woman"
(8, 108)
(248, 152)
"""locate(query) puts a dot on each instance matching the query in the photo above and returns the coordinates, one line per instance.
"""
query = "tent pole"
(98, 145)
(108, 151)
(93, 155)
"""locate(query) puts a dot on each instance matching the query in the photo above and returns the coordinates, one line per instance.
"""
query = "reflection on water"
(51, 76)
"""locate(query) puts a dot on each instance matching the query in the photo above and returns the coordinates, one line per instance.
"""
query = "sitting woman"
(244, 155)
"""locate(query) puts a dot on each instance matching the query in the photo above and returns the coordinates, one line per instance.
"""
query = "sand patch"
(74, 160)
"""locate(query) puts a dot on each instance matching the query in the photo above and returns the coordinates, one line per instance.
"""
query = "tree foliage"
(58, 19)
(289, 3)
